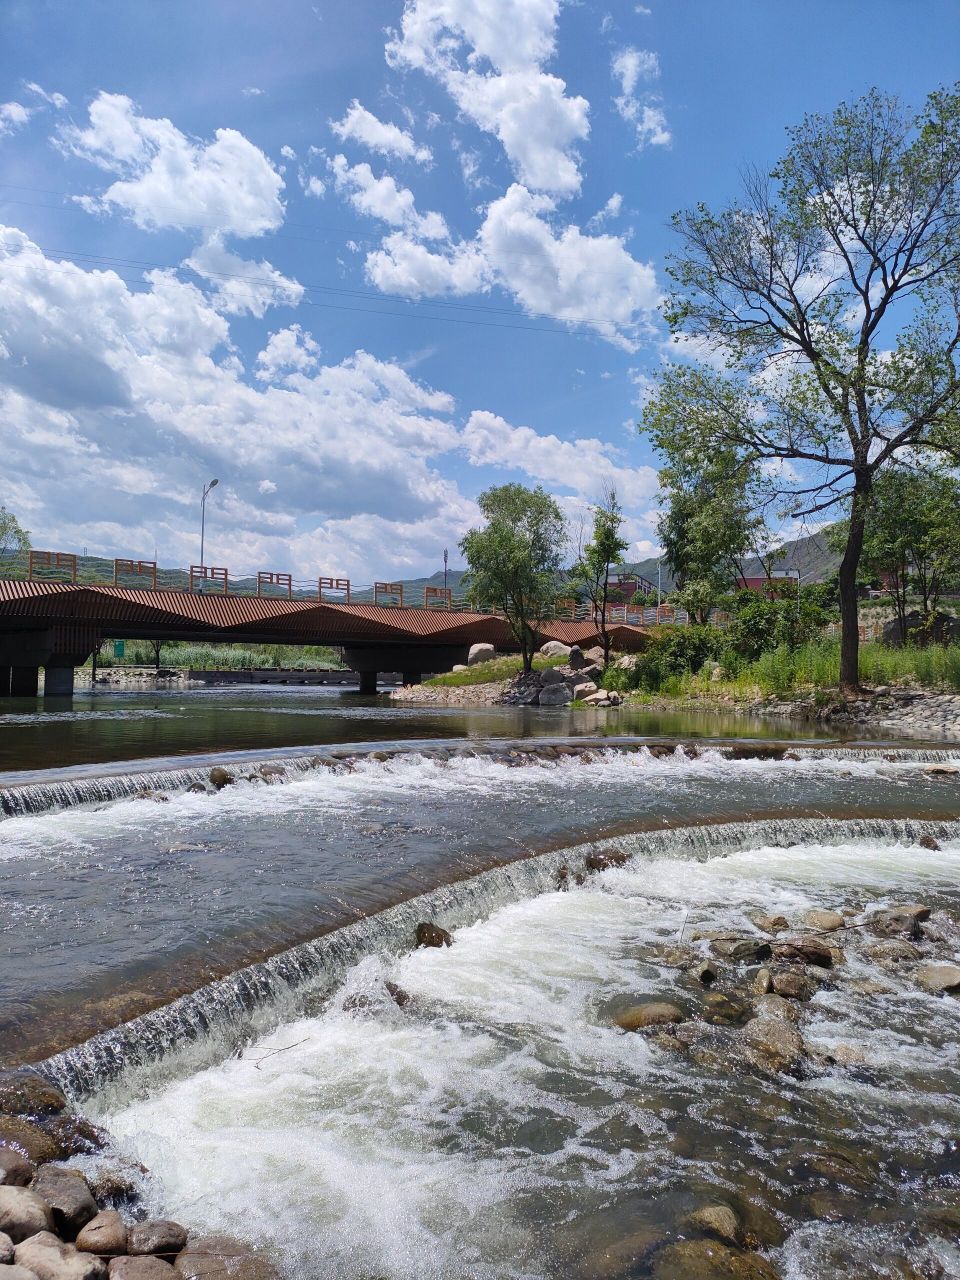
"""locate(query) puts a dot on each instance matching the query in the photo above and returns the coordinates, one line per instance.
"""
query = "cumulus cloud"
(490, 55)
(610, 210)
(362, 126)
(13, 116)
(629, 67)
(385, 199)
(290, 350)
(243, 287)
(170, 180)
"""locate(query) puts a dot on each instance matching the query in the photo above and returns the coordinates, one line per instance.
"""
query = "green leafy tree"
(14, 539)
(831, 292)
(515, 559)
(591, 572)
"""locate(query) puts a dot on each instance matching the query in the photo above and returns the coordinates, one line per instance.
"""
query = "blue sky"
(362, 261)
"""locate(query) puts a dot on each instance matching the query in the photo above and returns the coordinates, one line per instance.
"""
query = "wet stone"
(67, 1194)
(720, 1009)
(792, 986)
(23, 1213)
(140, 1269)
(74, 1135)
(431, 935)
(938, 979)
(801, 950)
(159, 1235)
(896, 923)
(825, 921)
(217, 1257)
(28, 1139)
(15, 1170)
(709, 1260)
(775, 1006)
(892, 951)
(771, 924)
(773, 1043)
(703, 972)
(762, 982)
(27, 1093)
(717, 1220)
(741, 950)
(655, 1013)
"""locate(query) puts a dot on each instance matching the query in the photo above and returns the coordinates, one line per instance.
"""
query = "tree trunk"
(604, 634)
(849, 607)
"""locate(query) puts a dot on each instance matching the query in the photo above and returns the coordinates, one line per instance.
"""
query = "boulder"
(721, 1010)
(431, 935)
(220, 777)
(709, 1260)
(792, 986)
(104, 1234)
(555, 649)
(551, 675)
(717, 1220)
(74, 1135)
(27, 1093)
(6, 1249)
(23, 1213)
(459, 666)
(655, 1013)
(217, 1257)
(896, 923)
(50, 1259)
(825, 921)
(158, 1235)
(555, 695)
(140, 1269)
(927, 841)
(600, 699)
(741, 950)
(480, 653)
(771, 924)
(703, 972)
(11, 1271)
(68, 1195)
(939, 979)
(598, 861)
(773, 1043)
(799, 950)
(892, 951)
(762, 982)
(578, 659)
(114, 1185)
(583, 688)
(15, 1170)
(28, 1139)
(775, 1006)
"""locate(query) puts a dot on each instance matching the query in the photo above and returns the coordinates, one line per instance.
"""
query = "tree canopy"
(13, 537)
(591, 571)
(515, 559)
(821, 311)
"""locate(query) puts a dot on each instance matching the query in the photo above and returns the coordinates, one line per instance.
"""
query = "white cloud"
(51, 99)
(586, 466)
(361, 125)
(266, 486)
(312, 185)
(290, 350)
(489, 55)
(385, 199)
(252, 91)
(610, 210)
(243, 287)
(629, 66)
(13, 116)
(405, 266)
(288, 152)
(170, 180)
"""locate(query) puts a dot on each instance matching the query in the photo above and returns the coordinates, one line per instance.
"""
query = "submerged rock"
(140, 1269)
(622, 1257)
(655, 1013)
(773, 1043)
(709, 1260)
(775, 1006)
(26, 1093)
(717, 1220)
(397, 994)
(431, 935)
(722, 1010)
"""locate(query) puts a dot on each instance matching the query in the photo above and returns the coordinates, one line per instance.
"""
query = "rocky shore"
(58, 1223)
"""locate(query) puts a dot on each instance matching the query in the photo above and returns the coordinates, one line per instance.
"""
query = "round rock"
(717, 1220)
(15, 1170)
(28, 1139)
(825, 921)
(104, 1234)
(160, 1235)
(23, 1213)
(67, 1194)
(140, 1269)
(656, 1013)
(50, 1259)
(940, 979)
(27, 1093)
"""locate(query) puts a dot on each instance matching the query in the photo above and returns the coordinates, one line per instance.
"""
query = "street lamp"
(203, 517)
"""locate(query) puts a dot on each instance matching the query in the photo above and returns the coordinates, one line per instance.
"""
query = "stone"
(892, 951)
(792, 986)
(10, 1271)
(217, 1257)
(576, 659)
(703, 972)
(74, 1135)
(431, 935)
(23, 1213)
(6, 1249)
(717, 1220)
(397, 994)
(27, 1093)
(721, 1010)
(621, 1257)
(929, 842)
(555, 649)
(741, 950)
(771, 924)
(551, 675)
(584, 689)
(915, 909)
(27, 1138)
(762, 982)
(459, 666)
(600, 699)
(67, 1194)
(895, 923)
(555, 695)
(598, 861)
(709, 1260)
(825, 921)
(15, 1170)
(773, 1043)
(774, 1006)
(159, 1235)
(104, 1234)
(480, 653)
(939, 979)
(113, 1185)
(801, 950)
(220, 777)
(140, 1269)
(655, 1013)
(50, 1259)
(595, 655)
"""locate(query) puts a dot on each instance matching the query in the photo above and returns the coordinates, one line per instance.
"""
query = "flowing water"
(206, 971)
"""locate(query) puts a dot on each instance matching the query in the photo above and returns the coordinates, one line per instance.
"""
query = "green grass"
(220, 657)
(487, 672)
(816, 666)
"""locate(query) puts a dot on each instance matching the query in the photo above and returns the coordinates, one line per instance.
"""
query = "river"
(204, 970)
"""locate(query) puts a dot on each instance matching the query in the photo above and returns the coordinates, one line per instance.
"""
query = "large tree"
(591, 570)
(829, 296)
(515, 559)
(14, 539)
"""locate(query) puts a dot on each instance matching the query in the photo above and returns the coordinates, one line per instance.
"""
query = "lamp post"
(445, 557)
(203, 519)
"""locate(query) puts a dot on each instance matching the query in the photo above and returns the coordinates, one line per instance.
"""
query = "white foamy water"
(499, 1126)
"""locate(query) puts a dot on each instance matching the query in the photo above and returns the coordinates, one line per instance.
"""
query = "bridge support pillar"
(24, 682)
(412, 677)
(4, 682)
(368, 682)
(58, 682)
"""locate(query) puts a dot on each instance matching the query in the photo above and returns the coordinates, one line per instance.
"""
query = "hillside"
(810, 554)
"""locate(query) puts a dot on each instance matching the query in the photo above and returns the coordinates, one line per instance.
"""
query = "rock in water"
(741, 950)
(717, 1220)
(218, 1257)
(50, 1259)
(220, 777)
(480, 653)
(709, 1260)
(431, 935)
(28, 1139)
(804, 951)
(656, 1013)
(825, 921)
(67, 1194)
(104, 1234)
(773, 1043)
(15, 1170)
(895, 923)
(142, 1269)
(704, 972)
(27, 1093)
(940, 979)
(793, 986)
(157, 1236)
(23, 1213)
(555, 695)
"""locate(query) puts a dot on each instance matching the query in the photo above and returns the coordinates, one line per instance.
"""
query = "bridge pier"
(4, 681)
(58, 681)
(412, 677)
(24, 682)
(368, 682)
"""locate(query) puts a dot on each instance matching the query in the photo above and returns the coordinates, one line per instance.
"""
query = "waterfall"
(219, 1019)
